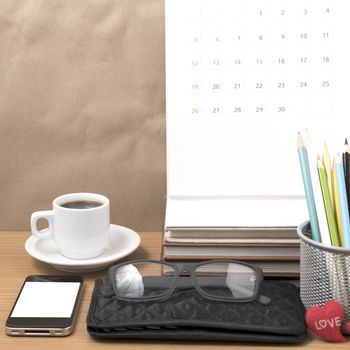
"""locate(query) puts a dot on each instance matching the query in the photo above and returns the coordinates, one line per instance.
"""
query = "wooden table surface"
(16, 264)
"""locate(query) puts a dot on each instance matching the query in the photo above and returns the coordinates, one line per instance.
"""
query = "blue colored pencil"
(309, 194)
(343, 201)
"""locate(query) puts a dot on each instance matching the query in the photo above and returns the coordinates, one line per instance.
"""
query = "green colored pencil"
(332, 225)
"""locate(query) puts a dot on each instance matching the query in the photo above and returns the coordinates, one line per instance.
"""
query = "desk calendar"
(242, 77)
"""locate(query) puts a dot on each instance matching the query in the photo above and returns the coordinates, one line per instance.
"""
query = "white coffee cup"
(79, 224)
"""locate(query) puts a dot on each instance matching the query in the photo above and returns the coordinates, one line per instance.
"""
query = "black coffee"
(81, 205)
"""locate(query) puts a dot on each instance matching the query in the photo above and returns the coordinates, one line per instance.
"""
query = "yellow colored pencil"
(327, 165)
(336, 203)
(333, 230)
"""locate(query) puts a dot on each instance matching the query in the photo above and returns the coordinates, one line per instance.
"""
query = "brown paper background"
(82, 107)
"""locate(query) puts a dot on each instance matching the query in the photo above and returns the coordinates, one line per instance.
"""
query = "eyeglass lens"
(144, 280)
(226, 280)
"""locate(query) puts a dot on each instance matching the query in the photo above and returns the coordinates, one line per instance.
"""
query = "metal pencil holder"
(324, 272)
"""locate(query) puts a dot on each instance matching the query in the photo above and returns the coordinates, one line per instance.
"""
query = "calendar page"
(242, 77)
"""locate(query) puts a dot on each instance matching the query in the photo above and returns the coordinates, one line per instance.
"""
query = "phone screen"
(46, 305)
(49, 299)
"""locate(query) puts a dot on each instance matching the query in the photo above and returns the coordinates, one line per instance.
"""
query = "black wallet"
(186, 315)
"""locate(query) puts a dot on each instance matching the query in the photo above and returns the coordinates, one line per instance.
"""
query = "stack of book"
(275, 250)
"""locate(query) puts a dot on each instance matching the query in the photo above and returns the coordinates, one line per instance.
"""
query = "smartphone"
(45, 306)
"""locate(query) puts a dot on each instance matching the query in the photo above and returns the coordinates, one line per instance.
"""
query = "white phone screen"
(46, 299)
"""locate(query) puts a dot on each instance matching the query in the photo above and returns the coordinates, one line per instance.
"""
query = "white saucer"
(122, 242)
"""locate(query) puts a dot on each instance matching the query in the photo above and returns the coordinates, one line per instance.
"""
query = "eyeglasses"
(223, 280)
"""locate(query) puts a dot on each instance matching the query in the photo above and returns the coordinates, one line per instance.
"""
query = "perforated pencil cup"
(324, 272)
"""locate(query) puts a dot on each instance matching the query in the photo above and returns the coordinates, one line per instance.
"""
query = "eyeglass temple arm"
(185, 282)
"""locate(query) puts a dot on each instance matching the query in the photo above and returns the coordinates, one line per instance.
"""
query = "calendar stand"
(242, 78)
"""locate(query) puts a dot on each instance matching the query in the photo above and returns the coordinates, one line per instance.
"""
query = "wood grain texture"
(16, 264)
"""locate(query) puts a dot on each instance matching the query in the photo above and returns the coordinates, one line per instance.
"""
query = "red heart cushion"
(326, 321)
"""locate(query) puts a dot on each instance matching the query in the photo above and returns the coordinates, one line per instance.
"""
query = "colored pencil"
(321, 214)
(343, 202)
(346, 165)
(336, 203)
(305, 170)
(328, 203)
(327, 165)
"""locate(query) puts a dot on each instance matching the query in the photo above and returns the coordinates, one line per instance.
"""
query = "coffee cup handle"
(46, 233)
